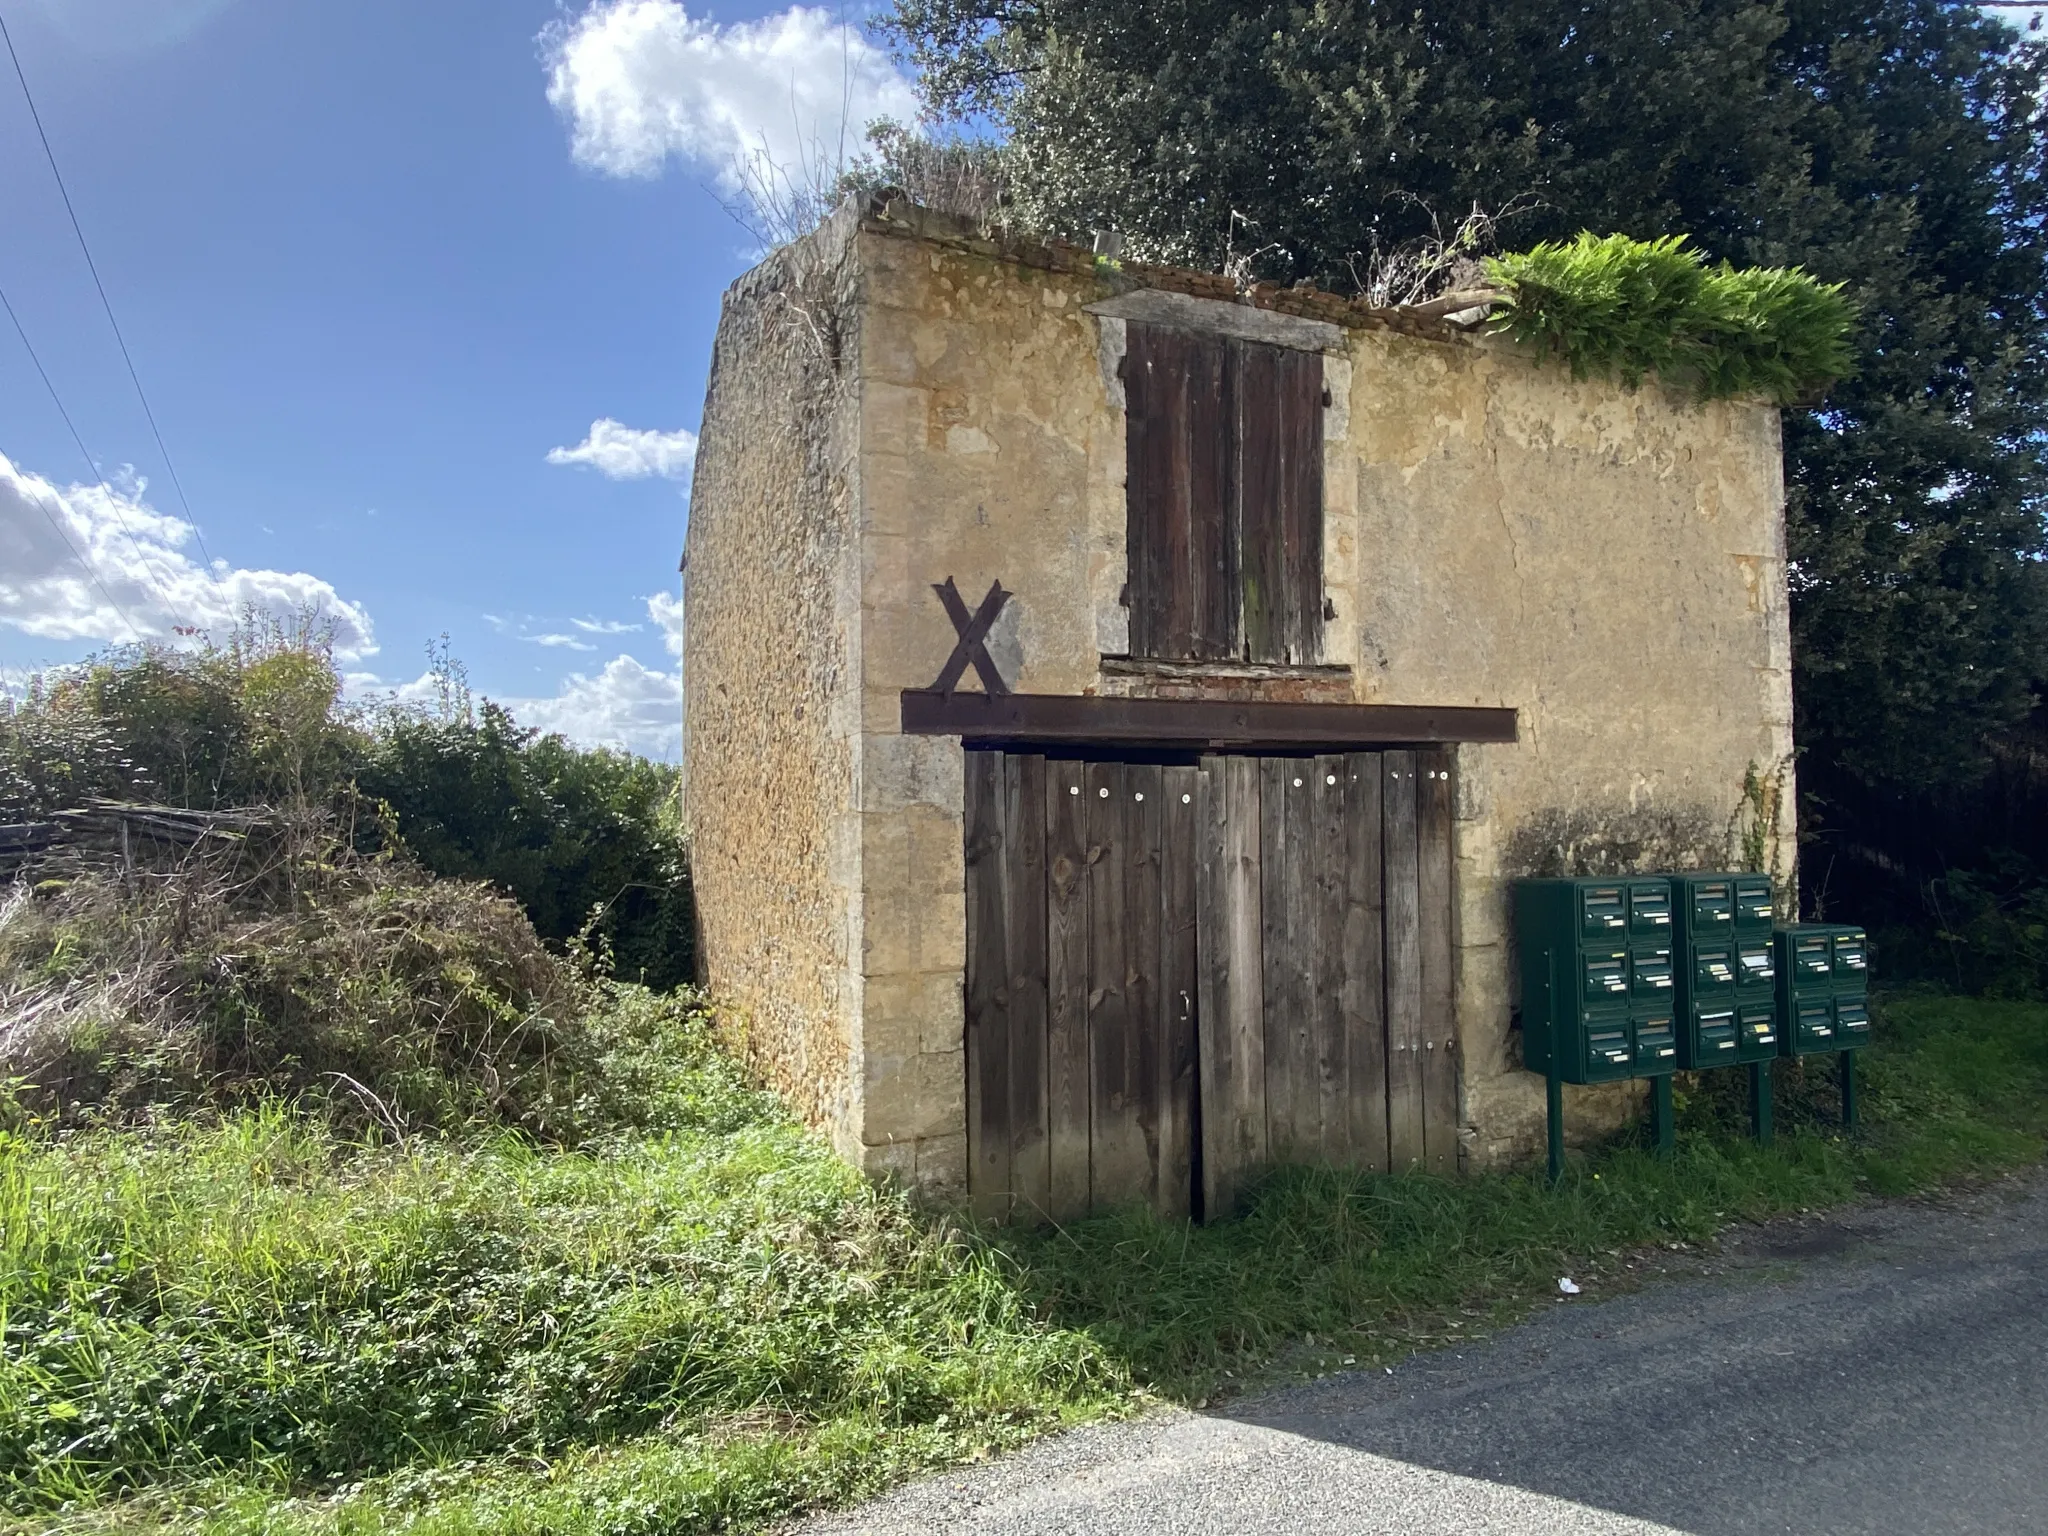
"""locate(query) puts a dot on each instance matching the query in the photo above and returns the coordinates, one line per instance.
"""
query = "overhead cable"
(105, 304)
(156, 576)
(55, 526)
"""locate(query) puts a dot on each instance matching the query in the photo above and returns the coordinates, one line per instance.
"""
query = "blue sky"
(376, 264)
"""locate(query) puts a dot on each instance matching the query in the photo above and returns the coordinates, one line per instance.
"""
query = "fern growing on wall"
(1615, 307)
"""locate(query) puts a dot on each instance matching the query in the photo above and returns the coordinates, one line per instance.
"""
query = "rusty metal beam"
(1200, 724)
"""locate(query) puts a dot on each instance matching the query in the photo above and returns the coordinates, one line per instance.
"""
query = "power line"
(55, 526)
(163, 587)
(105, 304)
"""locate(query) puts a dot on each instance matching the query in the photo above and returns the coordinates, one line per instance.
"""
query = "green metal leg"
(1660, 1112)
(1760, 1101)
(1554, 1103)
(1849, 1093)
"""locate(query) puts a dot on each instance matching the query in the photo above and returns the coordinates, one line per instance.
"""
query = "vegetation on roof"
(1610, 306)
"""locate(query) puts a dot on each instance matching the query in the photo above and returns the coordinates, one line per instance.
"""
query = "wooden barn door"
(1324, 931)
(1081, 985)
(1177, 977)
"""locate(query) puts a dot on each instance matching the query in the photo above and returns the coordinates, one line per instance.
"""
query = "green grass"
(705, 1321)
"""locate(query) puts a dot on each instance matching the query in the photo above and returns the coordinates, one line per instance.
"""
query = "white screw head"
(1297, 783)
(1073, 789)
(1139, 795)
(1104, 793)
(1186, 799)
(1329, 778)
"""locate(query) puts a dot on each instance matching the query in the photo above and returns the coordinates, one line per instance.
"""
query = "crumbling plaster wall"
(1608, 563)
(1611, 564)
(771, 717)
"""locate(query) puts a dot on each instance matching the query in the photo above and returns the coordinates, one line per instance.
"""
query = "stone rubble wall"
(771, 728)
(1609, 563)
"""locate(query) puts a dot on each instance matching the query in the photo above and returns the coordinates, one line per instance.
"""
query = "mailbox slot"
(1649, 975)
(1811, 963)
(1713, 970)
(1851, 959)
(1606, 976)
(1713, 907)
(1649, 912)
(1852, 1022)
(1656, 1044)
(1814, 1028)
(1716, 1032)
(1608, 1053)
(1756, 1030)
(1753, 904)
(1602, 911)
(1756, 968)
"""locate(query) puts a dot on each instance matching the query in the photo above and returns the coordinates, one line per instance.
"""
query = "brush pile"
(155, 960)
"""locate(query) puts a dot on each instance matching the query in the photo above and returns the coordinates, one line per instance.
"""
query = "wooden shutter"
(1183, 552)
(1279, 491)
(1224, 497)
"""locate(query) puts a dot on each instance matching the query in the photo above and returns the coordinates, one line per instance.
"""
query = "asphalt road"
(1881, 1371)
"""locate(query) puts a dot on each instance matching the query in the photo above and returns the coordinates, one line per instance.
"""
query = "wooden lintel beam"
(1200, 724)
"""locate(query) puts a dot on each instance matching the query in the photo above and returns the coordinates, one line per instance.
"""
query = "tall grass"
(705, 1320)
(254, 1295)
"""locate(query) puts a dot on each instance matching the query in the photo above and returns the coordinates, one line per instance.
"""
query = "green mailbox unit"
(1597, 978)
(1823, 987)
(1727, 1002)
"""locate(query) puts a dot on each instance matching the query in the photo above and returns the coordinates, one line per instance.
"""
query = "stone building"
(1116, 706)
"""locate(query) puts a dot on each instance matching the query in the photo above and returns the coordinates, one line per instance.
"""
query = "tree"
(1894, 145)
(579, 837)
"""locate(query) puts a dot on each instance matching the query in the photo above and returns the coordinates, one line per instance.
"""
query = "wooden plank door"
(1180, 977)
(1326, 1018)
(1081, 986)
(1230, 1010)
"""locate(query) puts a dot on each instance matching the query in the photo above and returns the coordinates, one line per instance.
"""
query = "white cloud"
(84, 562)
(562, 642)
(370, 688)
(604, 626)
(666, 609)
(620, 452)
(639, 81)
(626, 705)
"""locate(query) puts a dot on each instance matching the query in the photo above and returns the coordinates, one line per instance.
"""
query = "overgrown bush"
(1623, 308)
(587, 841)
(388, 999)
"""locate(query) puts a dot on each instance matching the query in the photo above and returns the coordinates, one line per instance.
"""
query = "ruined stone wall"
(1607, 562)
(770, 676)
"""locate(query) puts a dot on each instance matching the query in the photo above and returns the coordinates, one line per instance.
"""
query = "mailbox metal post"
(1553, 1103)
(1760, 1101)
(1661, 1113)
(1848, 1070)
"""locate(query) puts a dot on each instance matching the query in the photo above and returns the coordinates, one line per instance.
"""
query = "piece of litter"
(1390, 1370)
(1567, 1287)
